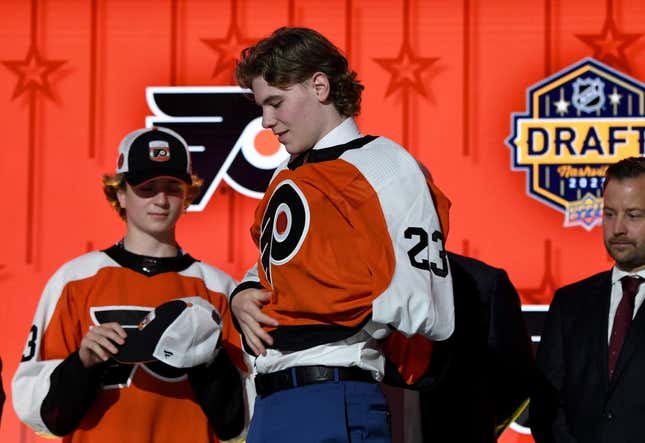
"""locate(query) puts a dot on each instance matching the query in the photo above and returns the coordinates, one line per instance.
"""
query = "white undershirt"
(617, 295)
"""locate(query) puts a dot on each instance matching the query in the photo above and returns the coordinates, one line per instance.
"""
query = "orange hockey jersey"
(149, 402)
(348, 237)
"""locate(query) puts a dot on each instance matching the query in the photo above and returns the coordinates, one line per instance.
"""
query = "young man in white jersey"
(350, 249)
(72, 380)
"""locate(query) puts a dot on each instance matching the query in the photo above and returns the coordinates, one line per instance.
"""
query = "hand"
(247, 309)
(98, 344)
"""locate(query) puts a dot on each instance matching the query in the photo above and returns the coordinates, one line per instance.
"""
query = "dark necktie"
(622, 320)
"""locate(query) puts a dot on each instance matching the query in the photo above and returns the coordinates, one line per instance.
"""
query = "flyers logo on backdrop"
(223, 128)
(579, 121)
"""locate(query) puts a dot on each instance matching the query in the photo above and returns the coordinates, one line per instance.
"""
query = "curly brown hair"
(292, 55)
(113, 183)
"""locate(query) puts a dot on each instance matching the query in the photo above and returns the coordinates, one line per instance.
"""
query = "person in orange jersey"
(350, 249)
(490, 365)
(74, 380)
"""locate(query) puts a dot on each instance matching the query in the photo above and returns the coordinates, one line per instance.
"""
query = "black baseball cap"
(182, 333)
(154, 152)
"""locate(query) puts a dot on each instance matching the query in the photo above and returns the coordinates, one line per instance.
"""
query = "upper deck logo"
(579, 121)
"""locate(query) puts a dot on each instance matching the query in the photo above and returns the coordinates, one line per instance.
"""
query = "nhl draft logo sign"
(579, 121)
(223, 128)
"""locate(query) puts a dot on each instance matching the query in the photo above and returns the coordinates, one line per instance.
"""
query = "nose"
(268, 119)
(161, 198)
(619, 225)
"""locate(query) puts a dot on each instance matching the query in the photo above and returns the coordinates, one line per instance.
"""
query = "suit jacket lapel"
(593, 317)
(600, 325)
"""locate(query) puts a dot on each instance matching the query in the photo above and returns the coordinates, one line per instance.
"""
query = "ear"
(120, 195)
(320, 84)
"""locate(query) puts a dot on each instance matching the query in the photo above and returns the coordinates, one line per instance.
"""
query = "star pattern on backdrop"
(610, 44)
(406, 70)
(614, 98)
(562, 106)
(228, 49)
(33, 72)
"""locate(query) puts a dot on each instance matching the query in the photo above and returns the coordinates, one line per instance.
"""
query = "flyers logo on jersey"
(579, 121)
(285, 225)
(223, 128)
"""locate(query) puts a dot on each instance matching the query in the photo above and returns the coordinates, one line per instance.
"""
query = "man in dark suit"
(490, 359)
(592, 354)
(481, 376)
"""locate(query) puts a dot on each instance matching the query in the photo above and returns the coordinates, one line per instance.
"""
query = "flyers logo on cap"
(118, 375)
(159, 151)
(579, 121)
(146, 320)
(223, 128)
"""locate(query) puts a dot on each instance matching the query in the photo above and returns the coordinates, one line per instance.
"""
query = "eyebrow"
(269, 98)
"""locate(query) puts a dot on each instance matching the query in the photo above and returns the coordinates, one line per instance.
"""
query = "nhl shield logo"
(588, 95)
(579, 121)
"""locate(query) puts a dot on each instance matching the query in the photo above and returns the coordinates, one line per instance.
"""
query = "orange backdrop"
(442, 78)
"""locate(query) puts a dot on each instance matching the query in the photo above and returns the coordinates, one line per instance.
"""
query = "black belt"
(266, 384)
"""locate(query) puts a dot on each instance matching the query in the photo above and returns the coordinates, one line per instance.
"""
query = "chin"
(629, 265)
(294, 150)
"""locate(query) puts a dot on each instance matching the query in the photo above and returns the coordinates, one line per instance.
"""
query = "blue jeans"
(330, 412)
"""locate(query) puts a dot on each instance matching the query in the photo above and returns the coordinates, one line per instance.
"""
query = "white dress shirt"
(617, 295)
